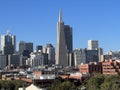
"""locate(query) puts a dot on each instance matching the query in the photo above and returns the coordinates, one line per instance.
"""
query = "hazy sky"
(36, 21)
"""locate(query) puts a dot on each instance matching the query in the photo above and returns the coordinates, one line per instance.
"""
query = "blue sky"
(36, 21)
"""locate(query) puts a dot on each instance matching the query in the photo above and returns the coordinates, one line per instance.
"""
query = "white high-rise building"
(50, 50)
(92, 44)
(8, 44)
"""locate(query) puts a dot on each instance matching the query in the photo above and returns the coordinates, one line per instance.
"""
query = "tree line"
(96, 82)
(103, 82)
(10, 84)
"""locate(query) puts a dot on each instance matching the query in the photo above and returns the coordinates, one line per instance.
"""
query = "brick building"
(110, 67)
(91, 68)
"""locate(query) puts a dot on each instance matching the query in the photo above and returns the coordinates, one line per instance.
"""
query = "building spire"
(60, 15)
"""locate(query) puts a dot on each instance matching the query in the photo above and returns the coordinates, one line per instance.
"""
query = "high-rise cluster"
(25, 56)
(64, 55)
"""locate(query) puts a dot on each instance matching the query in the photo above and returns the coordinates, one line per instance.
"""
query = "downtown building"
(79, 56)
(110, 67)
(8, 44)
(85, 56)
(25, 48)
(64, 42)
(91, 54)
(14, 60)
(50, 50)
(37, 58)
(3, 61)
(92, 44)
(8, 47)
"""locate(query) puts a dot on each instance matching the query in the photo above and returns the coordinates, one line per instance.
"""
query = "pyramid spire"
(60, 15)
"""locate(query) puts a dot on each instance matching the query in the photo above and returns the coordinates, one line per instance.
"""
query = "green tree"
(115, 86)
(0, 84)
(11, 85)
(18, 84)
(106, 86)
(111, 83)
(95, 81)
(5, 84)
(67, 86)
(55, 85)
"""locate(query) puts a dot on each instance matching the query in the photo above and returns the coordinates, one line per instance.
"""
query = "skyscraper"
(64, 42)
(8, 44)
(25, 48)
(92, 44)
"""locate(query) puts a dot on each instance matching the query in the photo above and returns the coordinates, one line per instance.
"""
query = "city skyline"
(36, 21)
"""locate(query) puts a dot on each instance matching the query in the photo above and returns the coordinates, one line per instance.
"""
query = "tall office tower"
(50, 50)
(79, 56)
(92, 44)
(25, 48)
(8, 44)
(64, 42)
